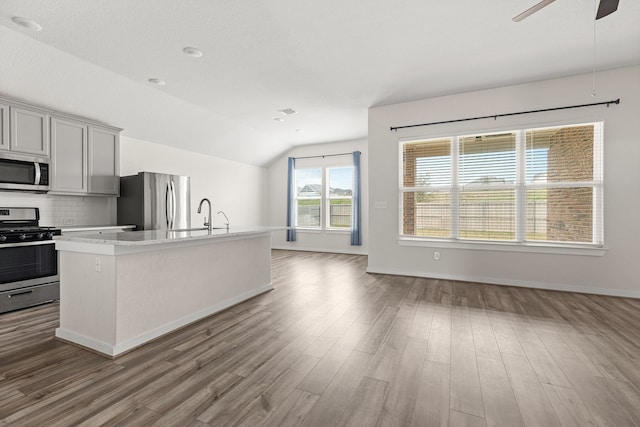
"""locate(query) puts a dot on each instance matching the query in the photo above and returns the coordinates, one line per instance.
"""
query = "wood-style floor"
(333, 346)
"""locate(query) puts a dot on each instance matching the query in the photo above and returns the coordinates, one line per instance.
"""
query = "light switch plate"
(380, 204)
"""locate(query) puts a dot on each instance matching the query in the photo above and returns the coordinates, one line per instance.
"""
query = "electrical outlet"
(98, 265)
(67, 221)
(436, 255)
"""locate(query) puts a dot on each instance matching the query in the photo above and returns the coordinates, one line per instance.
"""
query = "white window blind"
(527, 185)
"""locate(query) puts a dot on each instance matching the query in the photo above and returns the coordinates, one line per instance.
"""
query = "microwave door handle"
(38, 174)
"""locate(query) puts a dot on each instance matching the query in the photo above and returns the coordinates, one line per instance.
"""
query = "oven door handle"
(38, 174)
(14, 245)
(17, 294)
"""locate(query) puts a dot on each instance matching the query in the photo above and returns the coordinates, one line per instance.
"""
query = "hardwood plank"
(333, 407)
(466, 393)
(534, 406)
(367, 403)
(270, 399)
(460, 419)
(500, 405)
(439, 346)
(569, 408)
(257, 382)
(432, 399)
(484, 339)
(543, 364)
(290, 357)
(379, 329)
(325, 370)
(399, 403)
(294, 409)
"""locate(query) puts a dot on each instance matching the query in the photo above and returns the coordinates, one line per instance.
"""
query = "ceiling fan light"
(26, 23)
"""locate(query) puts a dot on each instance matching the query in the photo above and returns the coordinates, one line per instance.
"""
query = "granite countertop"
(77, 228)
(154, 237)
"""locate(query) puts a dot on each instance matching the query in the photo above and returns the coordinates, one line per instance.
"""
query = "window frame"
(297, 199)
(520, 186)
(328, 198)
(325, 197)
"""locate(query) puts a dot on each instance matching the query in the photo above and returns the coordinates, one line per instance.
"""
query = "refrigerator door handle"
(167, 202)
(173, 205)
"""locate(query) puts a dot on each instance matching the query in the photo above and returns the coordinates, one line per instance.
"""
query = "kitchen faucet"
(206, 224)
(225, 217)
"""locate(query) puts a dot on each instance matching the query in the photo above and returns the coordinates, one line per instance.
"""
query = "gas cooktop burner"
(20, 225)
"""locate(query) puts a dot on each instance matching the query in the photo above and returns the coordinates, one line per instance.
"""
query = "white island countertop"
(121, 290)
(95, 228)
(135, 241)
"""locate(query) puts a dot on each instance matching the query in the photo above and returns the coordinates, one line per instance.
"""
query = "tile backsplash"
(58, 210)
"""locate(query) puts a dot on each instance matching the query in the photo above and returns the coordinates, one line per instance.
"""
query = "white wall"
(325, 241)
(238, 189)
(616, 272)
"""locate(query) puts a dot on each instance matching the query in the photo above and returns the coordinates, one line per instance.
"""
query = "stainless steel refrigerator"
(155, 201)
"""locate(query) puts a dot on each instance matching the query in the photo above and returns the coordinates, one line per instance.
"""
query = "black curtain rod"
(495, 116)
(323, 156)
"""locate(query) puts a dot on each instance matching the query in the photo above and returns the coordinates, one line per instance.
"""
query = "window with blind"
(521, 186)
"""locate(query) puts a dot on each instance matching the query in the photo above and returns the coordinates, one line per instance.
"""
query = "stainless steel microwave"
(23, 172)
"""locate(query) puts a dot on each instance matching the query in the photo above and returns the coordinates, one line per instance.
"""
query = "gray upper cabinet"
(29, 129)
(84, 158)
(104, 146)
(85, 155)
(4, 127)
(68, 156)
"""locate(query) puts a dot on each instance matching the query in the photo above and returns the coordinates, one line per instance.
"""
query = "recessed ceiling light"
(27, 23)
(299, 130)
(157, 82)
(288, 111)
(192, 51)
(278, 119)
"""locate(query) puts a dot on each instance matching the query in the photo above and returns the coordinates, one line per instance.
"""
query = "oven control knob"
(3, 238)
(49, 235)
(39, 235)
(22, 237)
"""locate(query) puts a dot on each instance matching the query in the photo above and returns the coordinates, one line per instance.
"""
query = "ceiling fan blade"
(606, 7)
(533, 9)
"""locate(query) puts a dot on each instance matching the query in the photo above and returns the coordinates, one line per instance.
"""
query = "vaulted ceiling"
(328, 60)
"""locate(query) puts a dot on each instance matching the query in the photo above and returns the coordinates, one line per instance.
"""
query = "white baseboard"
(119, 348)
(324, 250)
(503, 282)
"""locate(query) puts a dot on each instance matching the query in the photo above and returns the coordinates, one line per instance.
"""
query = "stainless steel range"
(28, 260)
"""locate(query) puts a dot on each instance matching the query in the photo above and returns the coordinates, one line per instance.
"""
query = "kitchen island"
(121, 290)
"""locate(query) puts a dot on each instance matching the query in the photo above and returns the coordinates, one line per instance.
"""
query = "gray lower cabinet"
(85, 158)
